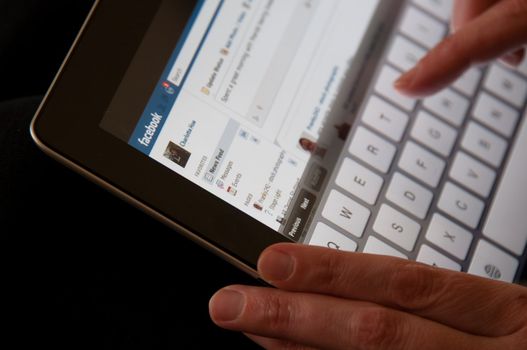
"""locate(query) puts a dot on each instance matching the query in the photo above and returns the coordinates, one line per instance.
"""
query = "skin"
(328, 299)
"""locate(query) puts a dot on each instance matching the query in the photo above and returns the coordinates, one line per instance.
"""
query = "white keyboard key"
(434, 133)
(385, 118)
(396, 227)
(451, 237)
(359, 181)
(442, 9)
(372, 149)
(468, 83)
(448, 105)
(484, 144)
(491, 262)
(409, 195)
(423, 28)
(461, 205)
(507, 221)
(385, 87)
(325, 236)
(404, 54)
(522, 68)
(375, 246)
(506, 85)
(472, 174)
(496, 114)
(346, 213)
(432, 257)
(422, 164)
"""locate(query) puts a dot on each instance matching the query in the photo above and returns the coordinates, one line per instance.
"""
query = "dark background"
(79, 268)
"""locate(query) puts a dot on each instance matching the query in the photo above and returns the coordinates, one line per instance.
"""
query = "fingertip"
(226, 305)
(514, 59)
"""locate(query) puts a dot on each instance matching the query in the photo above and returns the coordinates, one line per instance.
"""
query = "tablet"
(244, 123)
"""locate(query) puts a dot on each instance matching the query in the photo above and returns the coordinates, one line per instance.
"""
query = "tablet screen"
(246, 107)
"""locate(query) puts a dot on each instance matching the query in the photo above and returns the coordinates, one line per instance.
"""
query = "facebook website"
(245, 98)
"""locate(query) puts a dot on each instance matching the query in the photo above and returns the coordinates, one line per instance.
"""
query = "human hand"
(335, 300)
(482, 31)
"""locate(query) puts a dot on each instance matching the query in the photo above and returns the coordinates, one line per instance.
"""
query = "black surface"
(72, 275)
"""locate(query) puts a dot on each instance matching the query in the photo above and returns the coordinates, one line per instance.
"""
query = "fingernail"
(514, 58)
(275, 266)
(406, 80)
(226, 305)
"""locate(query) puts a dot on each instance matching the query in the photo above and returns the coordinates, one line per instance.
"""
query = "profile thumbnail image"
(177, 154)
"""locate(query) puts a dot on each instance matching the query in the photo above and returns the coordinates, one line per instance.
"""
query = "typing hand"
(334, 300)
(482, 31)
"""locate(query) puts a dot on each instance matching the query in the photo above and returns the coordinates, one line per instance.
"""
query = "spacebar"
(507, 219)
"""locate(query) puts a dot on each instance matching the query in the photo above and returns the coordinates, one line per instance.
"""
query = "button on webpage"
(346, 213)
(325, 236)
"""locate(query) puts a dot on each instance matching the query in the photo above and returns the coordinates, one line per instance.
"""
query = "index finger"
(465, 302)
(497, 31)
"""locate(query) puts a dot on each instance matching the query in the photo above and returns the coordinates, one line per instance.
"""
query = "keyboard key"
(461, 205)
(491, 262)
(484, 144)
(473, 174)
(468, 83)
(385, 88)
(506, 85)
(423, 28)
(448, 105)
(359, 181)
(325, 236)
(404, 54)
(432, 257)
(385, 118)
(372, 149)
(375, 246)
(523, 68)
(508, 207)
(435, 134)
(346, 213)
(396, 227)
(409, 195)
(451, 237)
(422, 164)
(442, 9)
(496, 114)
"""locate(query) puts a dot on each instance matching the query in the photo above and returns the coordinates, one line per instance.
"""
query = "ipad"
(244, 123)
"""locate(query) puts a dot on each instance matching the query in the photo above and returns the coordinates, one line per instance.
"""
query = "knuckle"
(518, 7)
(376, 328)
(333, 274)
(279, 313)
(414, 286)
